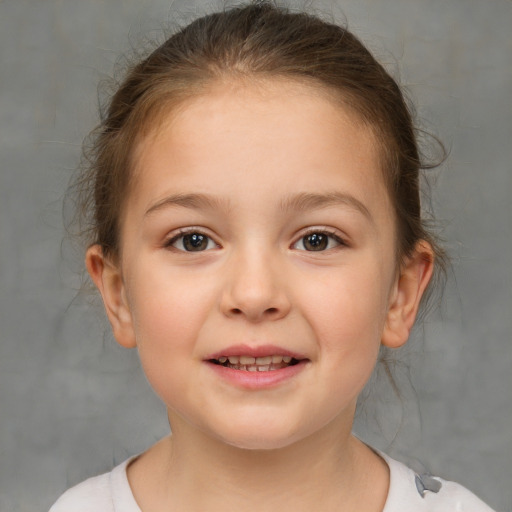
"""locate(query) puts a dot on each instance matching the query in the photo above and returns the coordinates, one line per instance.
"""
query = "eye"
(192, 242)
(318, 241)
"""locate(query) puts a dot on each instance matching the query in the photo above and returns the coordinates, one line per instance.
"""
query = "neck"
(330, 470)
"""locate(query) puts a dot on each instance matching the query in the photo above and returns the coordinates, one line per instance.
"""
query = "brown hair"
(252, 41)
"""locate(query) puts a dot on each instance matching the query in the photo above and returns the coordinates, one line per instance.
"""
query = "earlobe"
(409, 288)
(107, 277)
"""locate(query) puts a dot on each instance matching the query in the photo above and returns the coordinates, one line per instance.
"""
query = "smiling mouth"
(256, 364)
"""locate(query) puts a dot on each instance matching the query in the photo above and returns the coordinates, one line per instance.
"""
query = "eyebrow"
(297, 203)
(196, 201)
(314, 201)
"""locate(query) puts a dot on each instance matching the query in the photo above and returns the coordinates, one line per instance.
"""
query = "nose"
(254, 289)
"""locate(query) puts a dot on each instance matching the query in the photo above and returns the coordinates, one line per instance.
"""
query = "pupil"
(195, 242)
(315, 242)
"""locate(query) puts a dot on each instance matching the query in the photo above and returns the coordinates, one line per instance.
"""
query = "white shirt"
(408, 492)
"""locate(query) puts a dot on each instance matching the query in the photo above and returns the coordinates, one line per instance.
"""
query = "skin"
(253, 152)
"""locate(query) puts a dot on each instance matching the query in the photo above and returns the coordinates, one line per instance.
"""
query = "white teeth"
(264, 360)
(256, 368)
(255, 364)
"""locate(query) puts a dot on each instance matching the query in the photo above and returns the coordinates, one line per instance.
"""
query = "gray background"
(72, 403)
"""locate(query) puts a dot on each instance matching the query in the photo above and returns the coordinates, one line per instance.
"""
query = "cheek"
(352, 298)
(167, 314)
(165, 339)
(347, 310)
(167, 305)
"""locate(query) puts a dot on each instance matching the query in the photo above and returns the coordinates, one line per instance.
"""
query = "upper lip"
(254, 351)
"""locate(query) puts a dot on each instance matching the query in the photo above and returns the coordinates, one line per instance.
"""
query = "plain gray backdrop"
(73, 404)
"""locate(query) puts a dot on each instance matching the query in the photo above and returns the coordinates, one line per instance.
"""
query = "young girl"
(256, 234)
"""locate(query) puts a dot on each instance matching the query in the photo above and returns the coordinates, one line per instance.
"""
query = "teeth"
(256, 364)
(255, 360)
(264, 360)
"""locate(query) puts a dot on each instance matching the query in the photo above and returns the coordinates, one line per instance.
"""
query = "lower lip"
(257, 380)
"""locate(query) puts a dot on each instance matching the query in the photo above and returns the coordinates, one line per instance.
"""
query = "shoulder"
(92, 494)
(427, 493)
(109, 492)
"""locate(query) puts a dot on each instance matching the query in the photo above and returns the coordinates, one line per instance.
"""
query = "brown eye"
(192, 242)
(195, 242)
(317, 241)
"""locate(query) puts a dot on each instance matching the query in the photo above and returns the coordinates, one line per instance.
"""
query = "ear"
(406, 295)
(107, 277)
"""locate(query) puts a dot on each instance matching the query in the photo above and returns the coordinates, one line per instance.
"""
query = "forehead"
(278, 99)
(293, 130)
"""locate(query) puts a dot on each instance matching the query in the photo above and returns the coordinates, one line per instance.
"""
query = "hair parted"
(253, 41)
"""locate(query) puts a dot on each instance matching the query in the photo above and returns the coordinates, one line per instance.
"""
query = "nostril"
(270, 312)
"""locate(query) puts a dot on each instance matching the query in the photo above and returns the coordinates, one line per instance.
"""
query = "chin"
(259, 437)
(259, 443)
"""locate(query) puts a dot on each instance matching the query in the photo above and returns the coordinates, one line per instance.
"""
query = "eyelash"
(331, 235)
(189, 231)
(325, 232)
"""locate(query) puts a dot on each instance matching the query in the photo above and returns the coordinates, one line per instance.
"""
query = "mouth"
(257, 368)
(256, 364)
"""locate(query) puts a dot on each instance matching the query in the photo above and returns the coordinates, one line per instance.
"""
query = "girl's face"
(258, 226)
